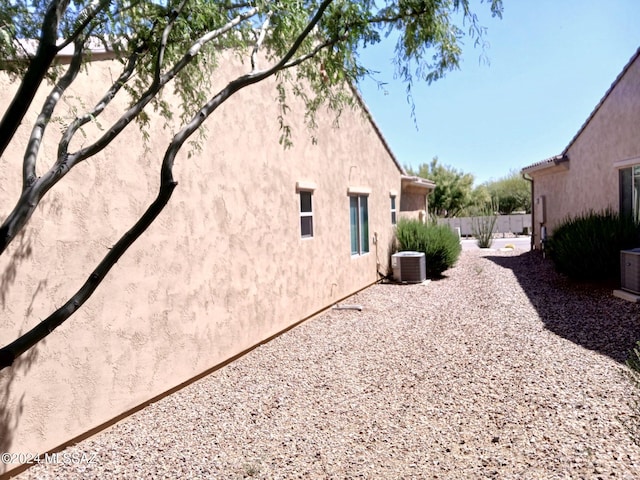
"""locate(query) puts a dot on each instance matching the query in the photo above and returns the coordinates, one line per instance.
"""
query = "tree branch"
(164, 40)
(79, 122)
(303, 35)
(10, 352)
(135, 110)
(259, 41)
(34, 189)
(298, 60)
(30, 198)
(34, 75)
(37, 133)
(89, 13)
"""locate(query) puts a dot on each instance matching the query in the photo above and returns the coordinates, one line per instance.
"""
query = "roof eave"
(559, 162)
(375, 126)
(418, 182)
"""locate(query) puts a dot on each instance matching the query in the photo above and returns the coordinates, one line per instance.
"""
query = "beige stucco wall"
(223, 267)
(413, 202)
(609, 138)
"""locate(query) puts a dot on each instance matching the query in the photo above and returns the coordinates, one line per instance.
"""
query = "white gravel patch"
(502, 369)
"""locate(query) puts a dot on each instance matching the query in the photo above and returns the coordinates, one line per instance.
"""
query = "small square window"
(306, 215)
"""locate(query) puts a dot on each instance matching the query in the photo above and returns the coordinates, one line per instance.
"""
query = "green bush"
(440, 244)
(587, 247)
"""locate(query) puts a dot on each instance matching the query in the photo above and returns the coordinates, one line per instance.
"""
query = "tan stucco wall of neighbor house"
(607, 141)
(223, 268)
(414, 203)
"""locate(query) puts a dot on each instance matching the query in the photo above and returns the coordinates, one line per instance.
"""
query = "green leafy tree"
(481, 204)
(309, 46)
(453, 192)
(510, 194)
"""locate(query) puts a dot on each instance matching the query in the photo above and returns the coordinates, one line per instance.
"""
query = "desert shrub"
(587, 247)
(483, 229)
(440, 244)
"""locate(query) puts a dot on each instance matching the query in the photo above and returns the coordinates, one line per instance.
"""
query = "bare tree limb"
(79, 122)
(34, 75)
(89, 14)
(164, 39)
(282, 63)
(298, 60)
(10, 352)
(37, 133)
(30, 198)
(259, 41)
(135, 110)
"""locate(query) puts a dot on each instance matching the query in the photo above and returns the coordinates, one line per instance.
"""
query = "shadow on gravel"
(586, 314)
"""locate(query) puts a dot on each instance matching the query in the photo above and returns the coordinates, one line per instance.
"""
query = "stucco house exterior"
(600, 167)
(255, 239)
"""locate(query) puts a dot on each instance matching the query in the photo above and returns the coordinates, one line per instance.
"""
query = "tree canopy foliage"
(310, 47)
(509, 194)
(455, 194)
(454, 188)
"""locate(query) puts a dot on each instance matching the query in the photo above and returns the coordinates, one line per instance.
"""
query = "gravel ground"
(502, 369)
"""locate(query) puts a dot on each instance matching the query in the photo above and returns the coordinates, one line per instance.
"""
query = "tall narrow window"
(630, 191)
(394, 218)
(636, 192)
(626, 191)
(359, 220)
(306, 214)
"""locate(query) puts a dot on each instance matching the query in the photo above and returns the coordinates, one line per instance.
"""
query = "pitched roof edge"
(546, 163)
(602, 100)
(97, 50)
(375, 126)
(103, 53)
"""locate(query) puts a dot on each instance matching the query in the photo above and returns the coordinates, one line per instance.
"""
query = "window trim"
(303, 186)
(359, 191)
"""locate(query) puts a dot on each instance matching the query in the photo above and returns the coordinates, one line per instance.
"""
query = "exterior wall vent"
(409, 267)
(630, 270)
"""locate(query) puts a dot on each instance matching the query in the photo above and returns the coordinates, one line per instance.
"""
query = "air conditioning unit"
(630, 270)
(409, 267)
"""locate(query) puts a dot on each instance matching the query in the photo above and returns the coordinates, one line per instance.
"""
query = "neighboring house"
(600, 168)
(255, 239)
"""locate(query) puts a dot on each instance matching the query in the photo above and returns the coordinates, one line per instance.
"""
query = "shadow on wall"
(588, 315)
(10, 412)
(21, 251)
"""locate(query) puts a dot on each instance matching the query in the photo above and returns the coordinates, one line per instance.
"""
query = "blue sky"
(551, 61)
